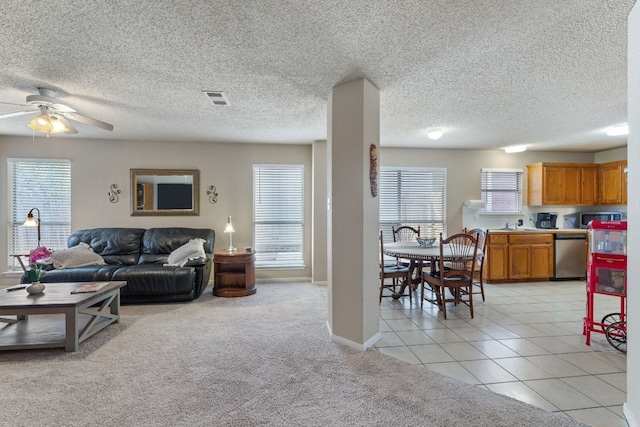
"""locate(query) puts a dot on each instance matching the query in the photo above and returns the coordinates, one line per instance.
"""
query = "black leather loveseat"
(139, 257)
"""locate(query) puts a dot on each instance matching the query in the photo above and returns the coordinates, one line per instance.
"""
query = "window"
(278, 215)
(42, 184)
(413, 196)
(501, 190)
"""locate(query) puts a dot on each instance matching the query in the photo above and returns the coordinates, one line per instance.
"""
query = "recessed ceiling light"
(618, 130)
(434, 133)
(515, 149)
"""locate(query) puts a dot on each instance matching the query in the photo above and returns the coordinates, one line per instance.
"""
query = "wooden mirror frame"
(138, 205)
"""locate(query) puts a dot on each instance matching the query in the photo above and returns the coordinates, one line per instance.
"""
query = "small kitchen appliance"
(587, 217)
(546, 220)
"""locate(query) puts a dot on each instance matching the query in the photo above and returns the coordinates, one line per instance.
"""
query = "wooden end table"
(234, 273)
(84, 315)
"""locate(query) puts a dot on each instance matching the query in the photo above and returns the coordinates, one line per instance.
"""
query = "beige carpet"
(263, 360)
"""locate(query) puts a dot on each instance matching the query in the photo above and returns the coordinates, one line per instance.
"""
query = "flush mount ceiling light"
(434, 133)
(515, 149)
(618, 130)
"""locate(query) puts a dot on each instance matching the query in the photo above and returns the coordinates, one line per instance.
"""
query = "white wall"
(96, 164)
(632, 407)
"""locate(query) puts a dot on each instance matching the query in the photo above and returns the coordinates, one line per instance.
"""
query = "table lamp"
(229, 229)
(33, 222)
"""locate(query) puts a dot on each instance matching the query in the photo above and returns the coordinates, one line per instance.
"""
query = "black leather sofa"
(137, 256)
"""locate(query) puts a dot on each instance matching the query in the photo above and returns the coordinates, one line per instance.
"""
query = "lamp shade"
(30, 221)
(41, 124)
(229, 227)
(46, 123)
(33, 222)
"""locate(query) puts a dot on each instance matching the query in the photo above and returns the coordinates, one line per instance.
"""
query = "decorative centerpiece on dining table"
(426, 243)
(37, 257)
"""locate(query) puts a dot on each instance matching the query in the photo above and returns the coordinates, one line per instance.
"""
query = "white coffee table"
(80, 316)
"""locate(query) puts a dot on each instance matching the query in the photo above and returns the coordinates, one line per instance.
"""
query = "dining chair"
(393, 272)
(406, 233)
(454, 273)
(478, 280)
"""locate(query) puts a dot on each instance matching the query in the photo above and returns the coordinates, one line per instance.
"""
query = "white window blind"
(412, 196)
(42, 184)
(501, 190)
(278, 215)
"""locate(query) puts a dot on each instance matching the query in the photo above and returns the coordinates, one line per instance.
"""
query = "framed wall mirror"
(165, 192)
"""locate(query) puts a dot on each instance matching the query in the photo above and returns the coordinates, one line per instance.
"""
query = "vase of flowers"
(36, 259)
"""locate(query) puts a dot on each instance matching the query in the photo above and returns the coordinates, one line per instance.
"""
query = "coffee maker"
(546, 220)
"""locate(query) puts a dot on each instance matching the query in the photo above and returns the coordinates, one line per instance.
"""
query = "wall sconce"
(213, 194)
(113, 193)
(33, 222)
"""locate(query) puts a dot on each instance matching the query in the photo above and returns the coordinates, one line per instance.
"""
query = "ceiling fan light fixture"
(434, 133)
(48, 124)
(43, 120)
(57, 126)
(42, 123)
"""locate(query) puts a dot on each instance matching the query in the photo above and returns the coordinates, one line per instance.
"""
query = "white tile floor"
(525, 341)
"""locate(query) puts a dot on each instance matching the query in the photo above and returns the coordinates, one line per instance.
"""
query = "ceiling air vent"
(217, 99)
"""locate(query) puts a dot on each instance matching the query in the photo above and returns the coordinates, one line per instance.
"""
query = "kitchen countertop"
(539, 230)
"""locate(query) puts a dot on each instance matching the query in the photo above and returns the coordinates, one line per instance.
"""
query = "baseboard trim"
(628, 415)
(352, 344)
(284, 280)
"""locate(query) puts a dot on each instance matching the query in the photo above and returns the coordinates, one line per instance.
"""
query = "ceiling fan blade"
(67, 124)
(19, 113)
(13, 103)
(89, 121)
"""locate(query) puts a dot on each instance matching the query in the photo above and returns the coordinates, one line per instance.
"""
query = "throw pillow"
(76, 256)
(194, 248)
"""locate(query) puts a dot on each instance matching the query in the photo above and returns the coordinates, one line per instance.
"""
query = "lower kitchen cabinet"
(519, 257)
(497, 257)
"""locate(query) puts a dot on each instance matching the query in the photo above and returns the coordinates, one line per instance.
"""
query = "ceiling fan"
(53, 114)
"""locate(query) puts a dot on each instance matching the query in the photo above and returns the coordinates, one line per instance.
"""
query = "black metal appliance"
(546, 220)
(586, 217)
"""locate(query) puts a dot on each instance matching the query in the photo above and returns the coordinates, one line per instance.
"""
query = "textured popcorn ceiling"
(492, 73)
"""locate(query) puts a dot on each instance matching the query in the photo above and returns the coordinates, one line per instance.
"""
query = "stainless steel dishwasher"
(570, 256)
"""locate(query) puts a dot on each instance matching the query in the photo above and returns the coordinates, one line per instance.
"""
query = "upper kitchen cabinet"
(589, 184)
(571, 184)
(613, 183)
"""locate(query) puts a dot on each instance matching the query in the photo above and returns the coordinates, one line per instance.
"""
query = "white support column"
(352, 229)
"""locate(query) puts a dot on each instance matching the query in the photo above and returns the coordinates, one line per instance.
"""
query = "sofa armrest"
(196, 262)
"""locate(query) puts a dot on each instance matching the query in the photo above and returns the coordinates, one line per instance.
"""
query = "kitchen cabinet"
(571, 184)
(519, 256)
(497, 257)
(589, 190)
(613, 183)
(530, 256)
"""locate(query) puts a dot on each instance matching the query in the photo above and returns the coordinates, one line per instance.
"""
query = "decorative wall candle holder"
(213, 194)
(113, 193)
